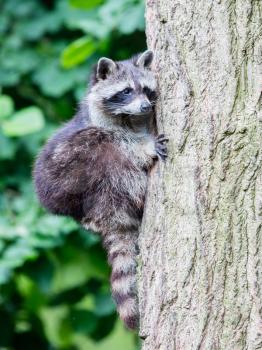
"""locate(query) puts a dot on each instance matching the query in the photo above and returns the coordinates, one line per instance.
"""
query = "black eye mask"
(120, 99)
(151, 95)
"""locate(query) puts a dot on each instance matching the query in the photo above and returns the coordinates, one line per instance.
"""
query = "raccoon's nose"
(145, 107)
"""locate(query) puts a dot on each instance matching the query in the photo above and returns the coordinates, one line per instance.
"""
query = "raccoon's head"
(125, 87)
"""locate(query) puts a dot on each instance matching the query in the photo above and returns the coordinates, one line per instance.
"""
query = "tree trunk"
(200, 269)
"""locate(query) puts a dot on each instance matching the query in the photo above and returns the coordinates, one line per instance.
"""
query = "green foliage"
(54, 278)
(87, 5)
(26, 121)
(78, 51)
(6, 106)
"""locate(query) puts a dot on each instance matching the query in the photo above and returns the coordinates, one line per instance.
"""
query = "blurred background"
(54, 278)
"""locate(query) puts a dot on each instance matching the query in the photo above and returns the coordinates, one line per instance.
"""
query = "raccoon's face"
(127, 87)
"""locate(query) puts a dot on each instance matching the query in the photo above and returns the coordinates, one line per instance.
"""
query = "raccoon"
(95, 168)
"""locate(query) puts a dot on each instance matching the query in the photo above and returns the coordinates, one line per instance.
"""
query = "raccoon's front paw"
(160, 145)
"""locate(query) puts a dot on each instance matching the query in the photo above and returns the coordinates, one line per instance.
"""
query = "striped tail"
(122, 252)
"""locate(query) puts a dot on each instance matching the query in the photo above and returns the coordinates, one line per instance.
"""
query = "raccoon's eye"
(127, 91)
(149, 93)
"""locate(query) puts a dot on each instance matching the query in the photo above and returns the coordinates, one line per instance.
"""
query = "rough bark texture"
(200, 269)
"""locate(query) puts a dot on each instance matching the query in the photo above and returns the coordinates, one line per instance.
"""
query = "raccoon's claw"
(161, 148)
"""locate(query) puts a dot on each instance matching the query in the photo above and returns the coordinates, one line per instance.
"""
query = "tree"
(200, 264)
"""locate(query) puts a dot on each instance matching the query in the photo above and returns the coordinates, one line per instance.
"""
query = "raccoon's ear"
(105, 67)
(145, 59)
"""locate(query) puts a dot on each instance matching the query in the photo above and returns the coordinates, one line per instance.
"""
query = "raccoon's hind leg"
(122, 253)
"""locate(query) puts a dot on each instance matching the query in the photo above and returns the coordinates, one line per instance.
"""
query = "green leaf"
(6, 106)
(9, 77)
(85, 4)
(4, 24)
(54, 225)
(119, 338)
(41, 272)
(53, 80)
(56, 327)
(135, 15)
(5, 273)
(18, 253)
(7, 147)
(78, 52)
(83, 321)
(88, 237)
(96, 27)
(35, 28)
(21, 8)
(23, 63)
(104, 305)
(24, 122)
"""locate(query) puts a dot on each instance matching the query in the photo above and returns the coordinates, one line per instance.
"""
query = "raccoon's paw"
(160, 145)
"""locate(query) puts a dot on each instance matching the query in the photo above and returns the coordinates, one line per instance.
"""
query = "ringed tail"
(122, 252)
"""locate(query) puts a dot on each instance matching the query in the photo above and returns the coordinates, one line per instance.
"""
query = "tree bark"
(200, 266)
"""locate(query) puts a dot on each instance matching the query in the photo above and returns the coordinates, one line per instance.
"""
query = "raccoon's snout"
(146, 107)
(139, 106)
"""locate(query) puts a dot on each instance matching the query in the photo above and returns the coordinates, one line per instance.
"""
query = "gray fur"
(95, 168)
